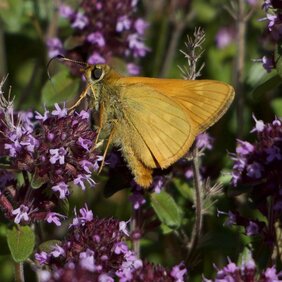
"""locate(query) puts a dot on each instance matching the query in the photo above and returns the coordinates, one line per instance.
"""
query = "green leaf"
(49, 245)
(166, 209)
(204, 10)
(184, 189)
(11, 14)
(21, 240)
(278, 59)
(267, 85)
(165, 229)
(64, 206)
(276, 105)
(61, 88)
(37, 181)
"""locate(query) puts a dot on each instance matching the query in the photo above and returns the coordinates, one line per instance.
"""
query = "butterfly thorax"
(106, 100)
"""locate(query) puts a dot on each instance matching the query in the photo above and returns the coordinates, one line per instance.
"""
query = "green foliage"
(25, 25)
(21, 241)
(62, 87)
(166, 209)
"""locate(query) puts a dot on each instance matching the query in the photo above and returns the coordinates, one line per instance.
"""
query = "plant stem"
(134, 226)
(3, 66)
(240, 64)
(179, 26)
(197, 228)
(19, 272)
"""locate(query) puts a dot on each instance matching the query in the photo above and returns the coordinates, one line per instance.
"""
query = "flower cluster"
(257, 167)
(51, 151)
(95, 251)
(247, 272)
(273, 34)
(102, 30)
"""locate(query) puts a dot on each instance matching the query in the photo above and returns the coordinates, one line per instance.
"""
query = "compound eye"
(96, 73)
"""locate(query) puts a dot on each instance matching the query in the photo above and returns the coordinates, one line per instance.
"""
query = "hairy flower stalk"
(257, 166)
(52, 151)
(247, 272)
(272, 35)
(101, 31)
(95, 250)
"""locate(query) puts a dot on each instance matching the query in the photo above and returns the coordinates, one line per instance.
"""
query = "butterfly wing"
(159, 128)
(205, 101)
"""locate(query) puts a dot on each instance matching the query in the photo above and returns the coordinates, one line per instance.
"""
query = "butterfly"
(153, 121)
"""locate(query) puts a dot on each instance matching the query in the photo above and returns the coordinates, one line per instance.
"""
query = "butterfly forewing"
(167, 114)
(204, 100)
(159, 123)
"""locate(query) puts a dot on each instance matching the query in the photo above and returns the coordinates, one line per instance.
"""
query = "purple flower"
(30, 143)
(137, 46)
(53, 217)
(133, 69)
(59, 112)
(105, 278)
(140, 26)
(55, 47)
(58, 155)
(66, 11)
(128, 266)
(62, 188)
(266, 4)
(224, 37)
(158, 184)
(80, 22)
(178, 272)
(252, 2)
(252, 229)
(254, 170)
(204, 141)
(245, 272)
(85, 143)
(259, 127)
(43, 117)
(51, 155)
(137, 199)
(57, 251)
(273, 153)
(123, 23)
(41, 257)
(87, 260)
(244, 147)
(272, 20)
(96, 58)
(231, 219)
(21, 213)
(104, 30)
(268, 63)
(88, 166)
(84, 114)
(13, 148)
(96, 38)
(82, 178)
(270, 274)
(123, 227)
(120, 248)
(189, 173)
(86, 215)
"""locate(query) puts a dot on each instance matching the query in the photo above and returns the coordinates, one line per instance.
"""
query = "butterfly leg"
(81, 97)
(101, 123)
(106, 149)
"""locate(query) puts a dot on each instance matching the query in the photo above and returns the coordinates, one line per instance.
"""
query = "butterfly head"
(99, 73)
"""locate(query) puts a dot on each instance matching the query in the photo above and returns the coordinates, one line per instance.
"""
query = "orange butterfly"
(154, 121)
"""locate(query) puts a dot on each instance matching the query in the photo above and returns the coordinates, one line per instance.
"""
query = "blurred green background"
(25, 26)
